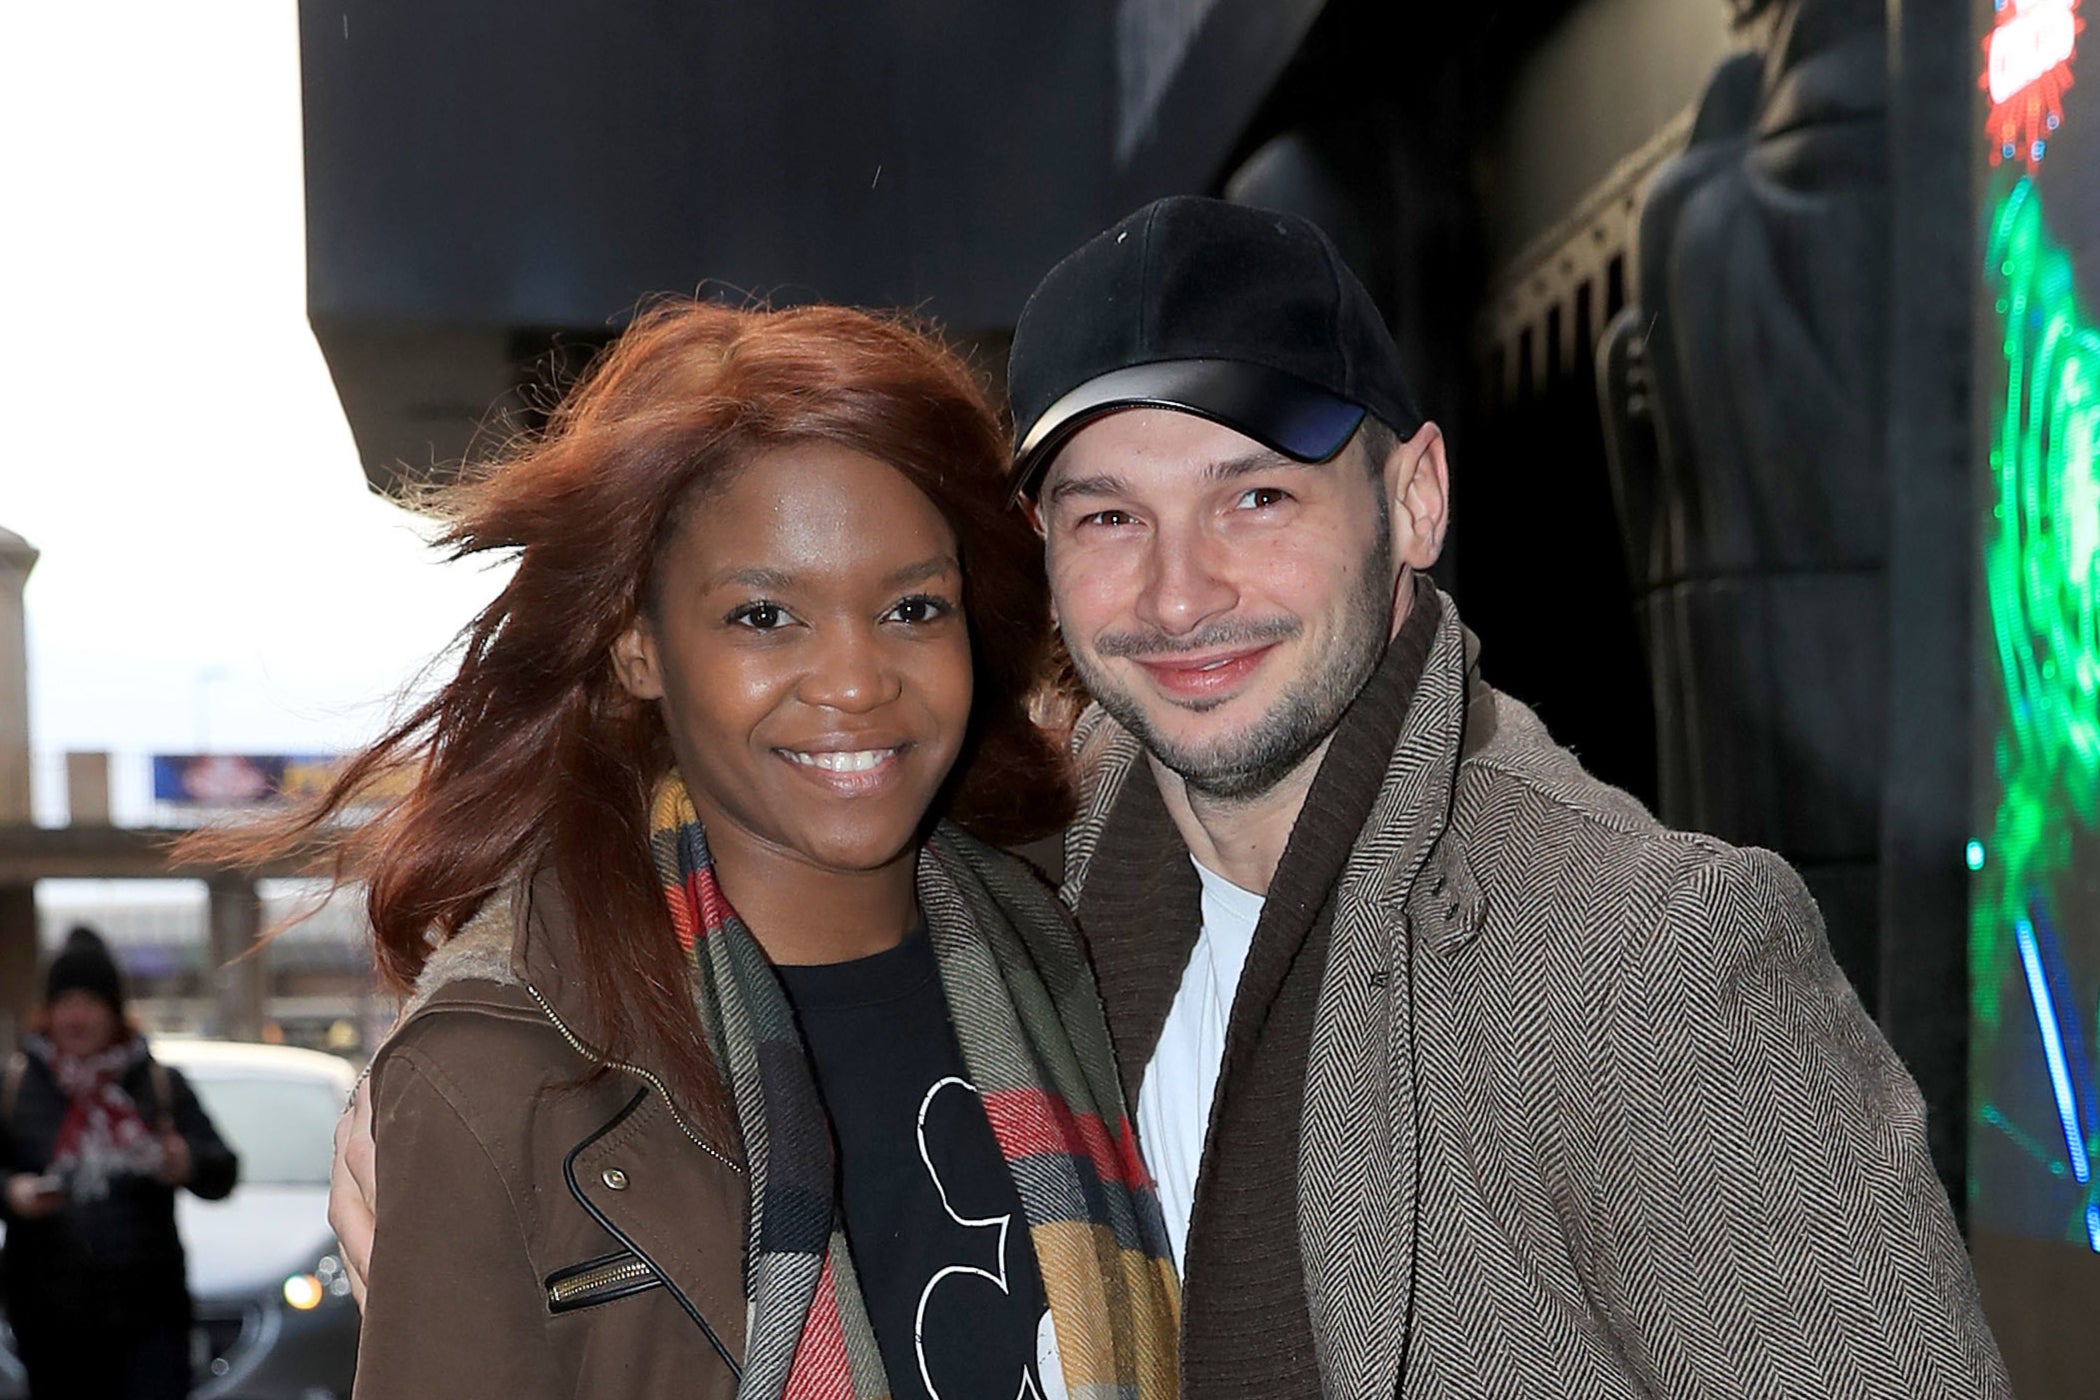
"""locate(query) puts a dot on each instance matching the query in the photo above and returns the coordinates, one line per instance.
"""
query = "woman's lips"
(846, 772)
(1205, 677)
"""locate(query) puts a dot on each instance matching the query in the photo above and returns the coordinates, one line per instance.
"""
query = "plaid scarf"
(1032, 1036)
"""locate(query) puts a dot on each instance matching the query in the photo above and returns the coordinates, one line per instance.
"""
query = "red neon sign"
(2027, 70)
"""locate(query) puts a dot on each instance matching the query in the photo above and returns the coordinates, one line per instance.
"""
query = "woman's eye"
(1260, 497)
(920, 608)
(760, 616)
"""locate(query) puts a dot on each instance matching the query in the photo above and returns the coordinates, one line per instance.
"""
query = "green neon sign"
(2042, 578)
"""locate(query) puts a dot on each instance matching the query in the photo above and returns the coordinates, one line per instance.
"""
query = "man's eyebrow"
(928, 568)
(1098, 485)
(1261, 460)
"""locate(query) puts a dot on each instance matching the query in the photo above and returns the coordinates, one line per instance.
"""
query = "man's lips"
(1207, 676)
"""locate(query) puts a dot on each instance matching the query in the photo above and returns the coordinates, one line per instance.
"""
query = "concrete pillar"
(239, 971)
(17, 902)
(87, 789)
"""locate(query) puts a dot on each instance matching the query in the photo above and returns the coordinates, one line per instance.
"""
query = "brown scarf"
(1245, 1326)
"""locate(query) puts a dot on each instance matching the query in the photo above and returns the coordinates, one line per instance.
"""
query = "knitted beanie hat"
(85, 965)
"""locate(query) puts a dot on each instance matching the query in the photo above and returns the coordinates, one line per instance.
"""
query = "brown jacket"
(540, 1233)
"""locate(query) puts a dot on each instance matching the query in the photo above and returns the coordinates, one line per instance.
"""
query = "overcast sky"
(213, 567)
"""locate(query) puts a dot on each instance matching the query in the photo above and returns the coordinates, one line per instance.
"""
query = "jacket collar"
(522, 937)
(1402, 856)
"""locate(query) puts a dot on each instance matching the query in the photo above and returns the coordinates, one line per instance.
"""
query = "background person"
(96, 1137)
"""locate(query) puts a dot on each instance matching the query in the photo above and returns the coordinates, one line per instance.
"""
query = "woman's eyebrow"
(932, 567)
(780, 580)
(771, 580)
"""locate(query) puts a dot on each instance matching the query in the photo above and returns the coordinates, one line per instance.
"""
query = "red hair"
(534, 757)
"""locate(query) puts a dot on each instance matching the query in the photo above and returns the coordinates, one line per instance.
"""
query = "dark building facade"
(1672, 274)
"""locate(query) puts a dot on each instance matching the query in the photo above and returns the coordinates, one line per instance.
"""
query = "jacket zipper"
(646, 1075)
(617, 1274)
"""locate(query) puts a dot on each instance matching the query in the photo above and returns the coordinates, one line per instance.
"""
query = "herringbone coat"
(1590, 1110)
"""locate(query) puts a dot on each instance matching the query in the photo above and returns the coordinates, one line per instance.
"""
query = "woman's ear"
(1417, 487)
(634, 661)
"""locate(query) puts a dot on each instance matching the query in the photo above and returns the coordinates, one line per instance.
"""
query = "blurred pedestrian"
(96, 1137)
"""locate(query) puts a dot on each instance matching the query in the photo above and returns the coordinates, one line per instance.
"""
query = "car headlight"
(329, 1279)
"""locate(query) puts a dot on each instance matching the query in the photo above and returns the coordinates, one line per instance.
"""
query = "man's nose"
(849, 671)
(1185, 585)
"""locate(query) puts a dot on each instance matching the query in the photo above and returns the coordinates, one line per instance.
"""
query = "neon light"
(2030, 39)
(1975, 855)
(2027, 70)
(2023, 1140)
(2042, 579)
(2053, 1052)
(2092, 1227)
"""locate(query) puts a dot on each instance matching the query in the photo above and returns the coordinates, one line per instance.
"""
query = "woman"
(738, 1063)
(96, 1137)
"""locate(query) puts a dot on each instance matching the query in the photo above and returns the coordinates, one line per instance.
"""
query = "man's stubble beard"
(1241, 767)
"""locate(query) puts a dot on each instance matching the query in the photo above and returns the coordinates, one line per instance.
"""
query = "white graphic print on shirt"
(1048, 1364)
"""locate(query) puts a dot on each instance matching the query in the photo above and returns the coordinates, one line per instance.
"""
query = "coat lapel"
(1401, 895)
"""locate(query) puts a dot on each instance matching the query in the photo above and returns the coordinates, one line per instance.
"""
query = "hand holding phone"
(31, 1196)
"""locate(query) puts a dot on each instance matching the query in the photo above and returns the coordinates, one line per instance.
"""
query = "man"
(1459, 1075)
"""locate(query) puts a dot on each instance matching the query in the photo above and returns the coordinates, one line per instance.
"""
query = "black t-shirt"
(935, 1225)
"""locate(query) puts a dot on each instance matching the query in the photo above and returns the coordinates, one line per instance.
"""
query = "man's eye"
(760, 616)
(1261, 497)
(920, 608)
(1112, 519)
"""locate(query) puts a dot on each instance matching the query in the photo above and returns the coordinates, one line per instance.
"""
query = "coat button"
(615, 1179)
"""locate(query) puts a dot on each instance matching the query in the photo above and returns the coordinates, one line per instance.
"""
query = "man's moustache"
(1213, 638)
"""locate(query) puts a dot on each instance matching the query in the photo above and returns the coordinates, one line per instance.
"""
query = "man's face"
(1223, 602)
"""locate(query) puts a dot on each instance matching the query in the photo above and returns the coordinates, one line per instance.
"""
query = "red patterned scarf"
(103, 1136)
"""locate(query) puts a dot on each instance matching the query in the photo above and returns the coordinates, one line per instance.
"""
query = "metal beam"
(32, 853)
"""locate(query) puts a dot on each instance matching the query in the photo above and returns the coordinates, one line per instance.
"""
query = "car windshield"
(282, 1128)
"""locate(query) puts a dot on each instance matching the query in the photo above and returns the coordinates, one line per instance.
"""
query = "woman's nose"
(849, 672)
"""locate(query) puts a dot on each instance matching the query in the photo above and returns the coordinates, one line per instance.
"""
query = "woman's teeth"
(856, 761)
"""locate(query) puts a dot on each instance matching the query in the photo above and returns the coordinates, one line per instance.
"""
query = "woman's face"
(808, 649)
(82, 1023)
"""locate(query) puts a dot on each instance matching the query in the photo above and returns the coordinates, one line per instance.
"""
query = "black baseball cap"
(1243, 316)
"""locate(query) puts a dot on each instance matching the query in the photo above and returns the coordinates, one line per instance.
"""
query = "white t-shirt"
(1173, 1109)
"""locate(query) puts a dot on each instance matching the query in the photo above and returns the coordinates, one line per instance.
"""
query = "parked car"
(274, 1317)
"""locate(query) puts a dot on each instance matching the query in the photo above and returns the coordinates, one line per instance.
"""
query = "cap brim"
(1277, 410)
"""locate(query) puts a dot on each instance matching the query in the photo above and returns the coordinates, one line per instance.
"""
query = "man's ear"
(1032, 512)
(1417, 485)
(634, 661)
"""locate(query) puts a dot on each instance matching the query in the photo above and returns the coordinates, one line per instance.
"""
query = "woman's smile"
(850, 772)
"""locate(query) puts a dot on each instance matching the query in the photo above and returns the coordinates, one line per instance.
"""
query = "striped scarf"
(1030, 1027)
